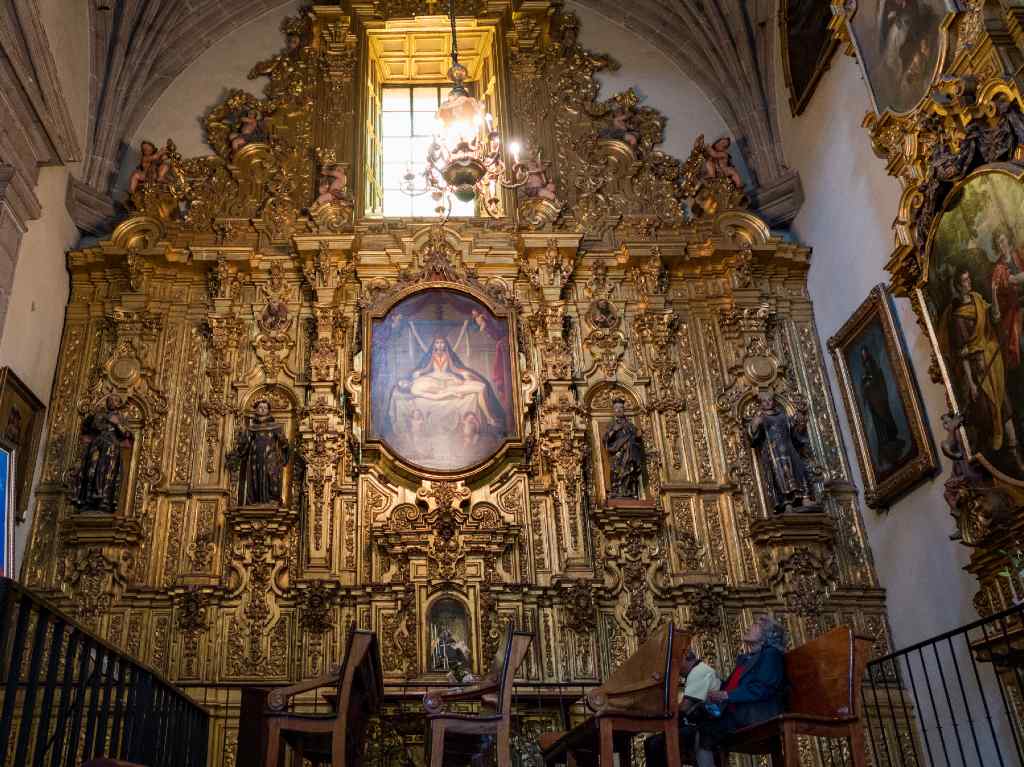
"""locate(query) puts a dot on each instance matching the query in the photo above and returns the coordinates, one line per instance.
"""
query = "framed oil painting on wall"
(974, 304)
(887, 420)
(441, 385)
(899, 44)
(807, 47)
(21, 426)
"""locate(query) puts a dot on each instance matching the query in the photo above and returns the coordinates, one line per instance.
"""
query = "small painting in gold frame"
(880, 393)
(21, 426)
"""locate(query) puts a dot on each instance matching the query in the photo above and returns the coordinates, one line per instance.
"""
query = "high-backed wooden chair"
(461, 738)
(333, 738)
(641, 696)
(825, 678)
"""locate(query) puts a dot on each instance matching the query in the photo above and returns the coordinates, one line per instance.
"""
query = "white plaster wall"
(179, 111)
(35, 314)
(656, 78)
(847, 218)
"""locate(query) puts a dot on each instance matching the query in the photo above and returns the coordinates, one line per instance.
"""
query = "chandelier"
(466, 159)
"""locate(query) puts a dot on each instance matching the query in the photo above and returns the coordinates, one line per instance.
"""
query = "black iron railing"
(951, 701)
(66, 696)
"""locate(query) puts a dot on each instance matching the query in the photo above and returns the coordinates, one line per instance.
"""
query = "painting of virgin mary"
(440, 395)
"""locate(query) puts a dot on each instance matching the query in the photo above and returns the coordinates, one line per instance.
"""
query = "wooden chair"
(825, 678)
(641, 696)
(462, 738)
(333, 738)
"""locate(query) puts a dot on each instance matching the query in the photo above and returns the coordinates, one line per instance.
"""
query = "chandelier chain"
(455, 46)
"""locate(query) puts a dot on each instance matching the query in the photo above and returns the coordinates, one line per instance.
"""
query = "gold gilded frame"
(1015, 172)
(393, 459)
(842, 23)
(880, 494)
(13, 389)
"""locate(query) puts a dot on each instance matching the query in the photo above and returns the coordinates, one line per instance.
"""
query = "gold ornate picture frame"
(974, 250)
(894, 445)
(901, 47)
(478, 442)
(22, 415)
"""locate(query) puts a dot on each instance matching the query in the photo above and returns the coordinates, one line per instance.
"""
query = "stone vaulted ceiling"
(726, 46)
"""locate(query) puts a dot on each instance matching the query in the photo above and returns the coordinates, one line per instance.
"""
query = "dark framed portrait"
(900, 45)
(441, 386)
(21, 427)
(974, 301)
(894, 445)
(807, 47)
(449, 640)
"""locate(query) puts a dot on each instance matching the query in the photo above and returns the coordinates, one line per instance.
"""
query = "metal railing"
(951, 701)
(66, 696)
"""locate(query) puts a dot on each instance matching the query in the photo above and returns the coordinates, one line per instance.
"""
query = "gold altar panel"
(230, 282)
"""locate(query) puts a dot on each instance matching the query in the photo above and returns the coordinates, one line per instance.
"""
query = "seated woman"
(700, 681)
(754, 692)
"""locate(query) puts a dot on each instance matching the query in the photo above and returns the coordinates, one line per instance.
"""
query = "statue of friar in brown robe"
(626, 454)
(101, 470)
(260, 455)
(782, 448)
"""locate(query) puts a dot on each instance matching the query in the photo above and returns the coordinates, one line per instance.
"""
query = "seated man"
(755, 690)
(700, 680)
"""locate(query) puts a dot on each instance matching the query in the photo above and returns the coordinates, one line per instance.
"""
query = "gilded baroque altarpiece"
(232, 282)
(954, 153)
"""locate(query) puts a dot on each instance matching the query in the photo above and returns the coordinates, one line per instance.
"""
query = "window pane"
(423, 124)
(397, 203)
(396, 123)
(393, 173)
(418, 148)
(397, 149)
(395, 100)
(425, 99)
(460, 208)
(424, 206)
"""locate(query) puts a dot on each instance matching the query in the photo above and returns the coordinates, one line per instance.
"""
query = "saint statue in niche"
(782, 446)
(102, 467)
(260, 455)
(449, 638)
(625, 453)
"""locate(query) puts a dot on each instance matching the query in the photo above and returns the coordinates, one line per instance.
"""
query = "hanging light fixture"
(466, 159)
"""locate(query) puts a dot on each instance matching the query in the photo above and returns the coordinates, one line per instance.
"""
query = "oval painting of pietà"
(441, 381)
(899, 42)
(975, 300)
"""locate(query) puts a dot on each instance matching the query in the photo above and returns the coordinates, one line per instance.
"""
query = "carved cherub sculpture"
(153, 165)
(333, 184)
(538, 183)
(248, 130)
(718, 163)
(622, 127)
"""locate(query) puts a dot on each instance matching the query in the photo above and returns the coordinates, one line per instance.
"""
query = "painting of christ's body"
(435, 406)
